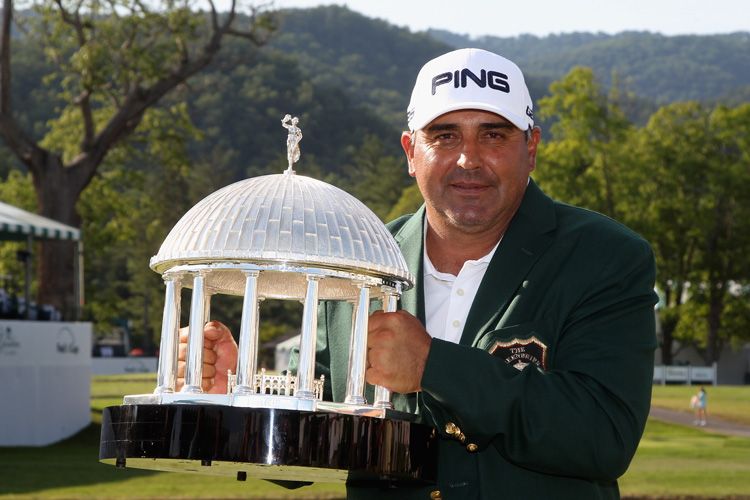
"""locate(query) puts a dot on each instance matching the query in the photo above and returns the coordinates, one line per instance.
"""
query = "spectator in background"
(698, 402)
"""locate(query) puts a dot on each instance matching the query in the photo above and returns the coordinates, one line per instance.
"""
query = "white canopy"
(18, 224)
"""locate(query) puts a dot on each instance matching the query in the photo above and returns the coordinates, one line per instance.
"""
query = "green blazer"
(550, 385)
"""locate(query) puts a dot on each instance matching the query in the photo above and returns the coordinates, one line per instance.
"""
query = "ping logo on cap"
(492, 79)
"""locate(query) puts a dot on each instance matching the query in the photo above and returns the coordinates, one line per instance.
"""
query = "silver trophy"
(288, 237)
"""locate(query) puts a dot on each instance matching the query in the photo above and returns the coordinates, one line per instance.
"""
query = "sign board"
(45, 381)
(116, 366)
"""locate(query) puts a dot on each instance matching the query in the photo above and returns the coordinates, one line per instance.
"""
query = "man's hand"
(219, 355)
(397, 348)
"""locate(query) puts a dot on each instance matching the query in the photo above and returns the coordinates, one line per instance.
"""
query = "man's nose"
(469, 157)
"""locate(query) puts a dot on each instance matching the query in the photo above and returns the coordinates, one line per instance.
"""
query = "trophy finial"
(292, 141)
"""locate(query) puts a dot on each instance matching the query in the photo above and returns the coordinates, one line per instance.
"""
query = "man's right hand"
(219, 355)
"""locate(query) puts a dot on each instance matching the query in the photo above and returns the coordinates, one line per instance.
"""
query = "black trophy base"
(267, 443)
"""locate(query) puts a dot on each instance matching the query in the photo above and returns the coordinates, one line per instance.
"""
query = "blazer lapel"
(527, 237)
(410, 238)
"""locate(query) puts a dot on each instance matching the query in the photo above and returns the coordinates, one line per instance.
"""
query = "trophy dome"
(285, 219)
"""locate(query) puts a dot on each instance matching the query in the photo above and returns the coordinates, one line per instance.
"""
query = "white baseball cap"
(470, 79)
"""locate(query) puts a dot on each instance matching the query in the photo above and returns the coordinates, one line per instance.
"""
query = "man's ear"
(407, 144)
(532, 144)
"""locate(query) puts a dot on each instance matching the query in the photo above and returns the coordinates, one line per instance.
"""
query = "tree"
(114, 61)
(581, 164)
(126, 212)
(377, 178)
(682, 181)
(691, 187)
(408, 203)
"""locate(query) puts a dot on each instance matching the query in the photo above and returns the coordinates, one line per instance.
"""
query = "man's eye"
(440, 138)
(445, 137)
(495, 135)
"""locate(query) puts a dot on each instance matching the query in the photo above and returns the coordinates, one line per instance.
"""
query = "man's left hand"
(397, 348)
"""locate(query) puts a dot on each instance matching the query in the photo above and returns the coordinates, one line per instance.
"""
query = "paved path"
(714, 424)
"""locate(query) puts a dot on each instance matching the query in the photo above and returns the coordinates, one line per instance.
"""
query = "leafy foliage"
(682, 180)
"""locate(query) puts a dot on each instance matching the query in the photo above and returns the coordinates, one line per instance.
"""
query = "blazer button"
(471, 447)
(452, 429)
(436, 495)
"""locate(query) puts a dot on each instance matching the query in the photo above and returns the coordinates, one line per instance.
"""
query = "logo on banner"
(8, 343)
(136, 366)
(66, 341)
(519, 353)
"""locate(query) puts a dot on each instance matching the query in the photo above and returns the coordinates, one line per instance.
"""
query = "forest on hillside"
(615, 109)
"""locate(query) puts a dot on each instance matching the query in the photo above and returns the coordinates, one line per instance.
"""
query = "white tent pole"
(78, 280)
(27, 273)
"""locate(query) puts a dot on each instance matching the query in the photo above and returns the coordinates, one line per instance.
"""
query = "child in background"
(698, 403)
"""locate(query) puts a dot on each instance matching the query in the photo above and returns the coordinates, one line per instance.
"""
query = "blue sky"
(543, 17)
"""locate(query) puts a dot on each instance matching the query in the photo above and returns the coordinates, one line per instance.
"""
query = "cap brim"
(521, 122)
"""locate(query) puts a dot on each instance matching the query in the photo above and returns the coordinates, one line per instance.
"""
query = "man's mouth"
(468, 187)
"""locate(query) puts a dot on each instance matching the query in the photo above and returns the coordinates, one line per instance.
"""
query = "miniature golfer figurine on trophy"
(287, 237)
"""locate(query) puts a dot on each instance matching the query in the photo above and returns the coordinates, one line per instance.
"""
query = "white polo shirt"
(448, 298)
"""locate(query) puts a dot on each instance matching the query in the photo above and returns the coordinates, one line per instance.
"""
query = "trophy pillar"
(306, 368)
(355, 382)
(248, 348)
(194, 356)
(390, 304)
(170, 333)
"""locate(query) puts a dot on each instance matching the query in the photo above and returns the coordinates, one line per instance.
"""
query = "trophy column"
(248, 349)
(306, 368)
(355, 382)
(194, 356)
(170, 333)
(390, 304)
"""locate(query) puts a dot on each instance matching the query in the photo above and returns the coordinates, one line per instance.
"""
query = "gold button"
(435, 495)
(451, 429)
(471, 447)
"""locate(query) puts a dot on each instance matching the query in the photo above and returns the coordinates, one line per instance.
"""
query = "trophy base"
(268, 443)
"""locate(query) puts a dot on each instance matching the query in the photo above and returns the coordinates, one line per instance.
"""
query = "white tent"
(19, 225)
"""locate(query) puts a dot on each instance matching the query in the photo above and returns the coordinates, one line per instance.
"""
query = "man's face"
(472, 168)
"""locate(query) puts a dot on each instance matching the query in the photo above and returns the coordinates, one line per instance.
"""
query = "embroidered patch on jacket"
(520, 352)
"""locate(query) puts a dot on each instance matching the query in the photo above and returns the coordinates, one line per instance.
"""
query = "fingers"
(209, 355)
(219, 355)
(213, 332)
(397, 351)
(209, 361)
(216, 331)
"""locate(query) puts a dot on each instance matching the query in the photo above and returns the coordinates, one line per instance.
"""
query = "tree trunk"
(668, 325)
(667, 338)
(57, 189)
(715, 309)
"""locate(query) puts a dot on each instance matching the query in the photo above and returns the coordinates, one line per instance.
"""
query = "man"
(528, 339)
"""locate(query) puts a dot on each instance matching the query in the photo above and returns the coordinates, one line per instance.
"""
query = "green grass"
(727, 402)
(678, 461)
(672, 461)
(108, 390)
(70, 469)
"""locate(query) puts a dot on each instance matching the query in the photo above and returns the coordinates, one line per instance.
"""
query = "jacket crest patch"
(520, 352)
